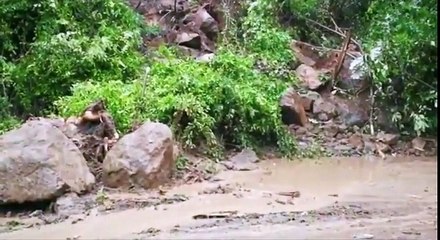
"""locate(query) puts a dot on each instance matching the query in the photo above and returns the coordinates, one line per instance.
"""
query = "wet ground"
(347, 198)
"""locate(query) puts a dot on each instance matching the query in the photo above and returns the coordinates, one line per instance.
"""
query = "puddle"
(394, 188)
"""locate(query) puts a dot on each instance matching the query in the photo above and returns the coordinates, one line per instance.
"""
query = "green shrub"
(7, 122)
(212, 105)
(263, 36)
(54, 44)
(406, 34)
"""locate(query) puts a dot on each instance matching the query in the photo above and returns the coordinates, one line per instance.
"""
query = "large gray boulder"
(143, 158)
(38, 162)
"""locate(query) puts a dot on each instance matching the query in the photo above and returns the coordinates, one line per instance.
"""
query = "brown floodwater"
(400, 195)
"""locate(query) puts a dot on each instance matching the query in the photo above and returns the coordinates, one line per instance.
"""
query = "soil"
(338, 198)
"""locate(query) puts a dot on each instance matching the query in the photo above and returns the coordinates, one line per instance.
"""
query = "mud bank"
(363, 198)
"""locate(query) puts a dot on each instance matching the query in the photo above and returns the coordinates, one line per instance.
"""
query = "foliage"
(7, 122)
(405, 34)
(52, 44)
(214, 105)
(404, 31)
(263, 35)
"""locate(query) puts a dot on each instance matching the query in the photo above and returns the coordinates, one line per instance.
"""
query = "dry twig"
(342, 56)
(334, 31)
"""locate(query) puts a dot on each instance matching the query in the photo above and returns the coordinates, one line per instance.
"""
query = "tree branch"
(333, 31)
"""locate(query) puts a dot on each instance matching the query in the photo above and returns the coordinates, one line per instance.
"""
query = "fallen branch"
(341, 56)
(332, 30)
(337, 28)
(371, 122)
(138, 5)
(350, 54)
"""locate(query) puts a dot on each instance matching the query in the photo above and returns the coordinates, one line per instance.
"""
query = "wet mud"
(344, 198)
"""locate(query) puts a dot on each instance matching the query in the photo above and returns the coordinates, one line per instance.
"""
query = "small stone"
(308, 76)
(343, 148)
(330, 130)
(363, 236)
(342, 127)
(36, 213)
(356, 141)
(70, 204)
(369, 147)
(301, 131)
(307, 103)
(418, 144)
(388, 138)
(243, 161)
(324, 106)
(382, 147)
(323, 117)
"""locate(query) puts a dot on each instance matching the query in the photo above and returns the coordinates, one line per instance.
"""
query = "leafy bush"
(263, 35)
(7, 122)
(213, 105)
(54, 44)
(405, 33)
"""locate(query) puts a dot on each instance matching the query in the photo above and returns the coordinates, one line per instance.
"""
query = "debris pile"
(94, 133)
(332, 106)
(192, 26)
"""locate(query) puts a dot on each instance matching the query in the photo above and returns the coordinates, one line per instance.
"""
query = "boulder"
(243, 161)
(292, 110)
(388, 138)
(142, 158)
(308, 76)
(38, 162)
(324, 109)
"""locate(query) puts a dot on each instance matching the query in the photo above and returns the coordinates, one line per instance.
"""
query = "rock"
(308, 98)
(323, 106)
(323, 117)
(418, 143)
(430, 147)
(369, 146)
(352, 112)
(382, 148)
(353, 75)
(341, 147)
(308, 76)
(70, 129)
(357, 118)
(388, 138)
(56, 122)
(312, 95)
(356, 141)
(38, 162)
(207, 57)
(142, 158)
(243, 161)
(208, 24)
(176, 152)
(304, 53)
(189, 39)
(292, 111)
(71, 204)
(300, 131)
(384, 120)
(307, 103)
(330, 130)
(363, 236)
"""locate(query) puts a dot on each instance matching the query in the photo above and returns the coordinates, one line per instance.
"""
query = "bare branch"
(334, 31)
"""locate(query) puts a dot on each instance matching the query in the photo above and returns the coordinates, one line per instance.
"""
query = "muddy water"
(395, 198)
